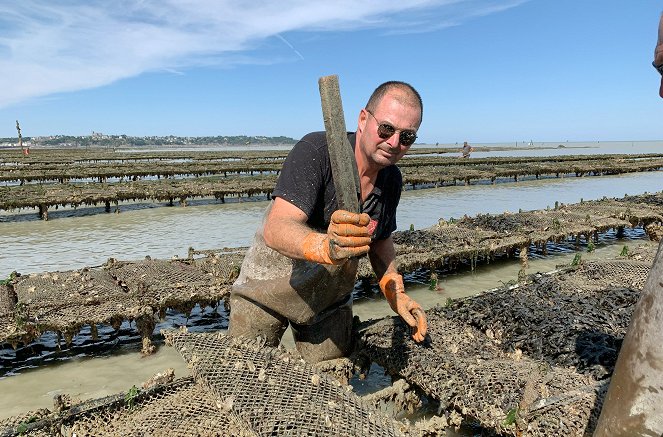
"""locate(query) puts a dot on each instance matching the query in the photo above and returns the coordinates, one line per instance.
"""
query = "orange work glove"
(347, 236)
(410, 311)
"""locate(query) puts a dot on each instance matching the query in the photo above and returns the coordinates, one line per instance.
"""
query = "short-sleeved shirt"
(306, 182)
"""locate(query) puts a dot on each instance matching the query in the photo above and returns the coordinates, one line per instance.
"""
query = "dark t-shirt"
(306, 182)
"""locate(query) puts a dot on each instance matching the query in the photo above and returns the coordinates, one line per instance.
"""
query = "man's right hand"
(347, 236)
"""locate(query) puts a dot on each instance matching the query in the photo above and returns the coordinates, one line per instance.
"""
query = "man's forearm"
(286, 236)
(383, 257)
(286, 231)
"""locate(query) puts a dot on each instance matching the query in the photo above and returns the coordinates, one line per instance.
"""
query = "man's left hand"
(410, 311)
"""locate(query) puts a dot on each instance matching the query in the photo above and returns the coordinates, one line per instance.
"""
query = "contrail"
(278, 35)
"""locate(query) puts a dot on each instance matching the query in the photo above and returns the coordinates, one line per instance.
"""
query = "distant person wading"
(466, 150)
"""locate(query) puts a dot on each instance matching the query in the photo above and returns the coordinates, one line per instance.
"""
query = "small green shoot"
(9, 279)
(590, 247)
(22, 427)
(624, 251)
(448, 303)
(576, 260)
(411, 226)
(511, 417)
(129, 398)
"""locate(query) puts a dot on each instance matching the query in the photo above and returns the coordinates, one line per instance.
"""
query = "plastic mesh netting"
(531, 360)
(526, 360)
(273, 393)
(165, 283)
(65, 301)
(180, 408)
(62, 299)
(554, 320)
(468, 373)
(120, 290)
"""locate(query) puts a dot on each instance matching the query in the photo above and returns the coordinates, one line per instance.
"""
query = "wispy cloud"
(49, 47)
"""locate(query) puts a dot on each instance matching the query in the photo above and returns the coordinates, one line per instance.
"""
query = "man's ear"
(361, 120)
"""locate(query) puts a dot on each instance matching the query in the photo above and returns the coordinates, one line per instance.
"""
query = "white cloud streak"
(49, 47)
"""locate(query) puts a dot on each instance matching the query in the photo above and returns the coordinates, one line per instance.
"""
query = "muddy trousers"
(327, 337)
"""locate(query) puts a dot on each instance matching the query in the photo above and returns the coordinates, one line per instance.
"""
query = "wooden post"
(341, 154)
(20, 140)
(523, 257)
(43, 212)
(633, 405)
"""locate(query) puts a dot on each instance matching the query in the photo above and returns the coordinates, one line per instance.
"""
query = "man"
(301, 269)
(658, 54)
(466, 150)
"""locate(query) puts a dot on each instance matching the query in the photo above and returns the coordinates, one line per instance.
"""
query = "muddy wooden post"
(145, 325)
(43, 212)
(343, 165)
(633, 405)
(523, 257)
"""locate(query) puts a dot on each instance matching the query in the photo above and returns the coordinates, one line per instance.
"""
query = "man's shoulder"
(310, 146)
(315, 144)
(319, 139)
(315, 139)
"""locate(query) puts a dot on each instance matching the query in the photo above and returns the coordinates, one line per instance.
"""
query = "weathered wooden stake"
(343, 164)
(20, 140)
(524, 264)
(633, 405)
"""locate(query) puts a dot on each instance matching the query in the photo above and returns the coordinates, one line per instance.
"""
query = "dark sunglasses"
(658, 68)
(385, 130)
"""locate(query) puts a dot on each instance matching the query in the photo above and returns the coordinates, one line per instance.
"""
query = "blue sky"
(488, 70)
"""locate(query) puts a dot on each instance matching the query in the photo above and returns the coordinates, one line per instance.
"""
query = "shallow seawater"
(74, 238)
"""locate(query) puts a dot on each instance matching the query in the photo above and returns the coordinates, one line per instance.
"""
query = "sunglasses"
(385, 130)
(658, 68)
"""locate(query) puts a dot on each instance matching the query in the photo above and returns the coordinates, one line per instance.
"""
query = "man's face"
(395, 110)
